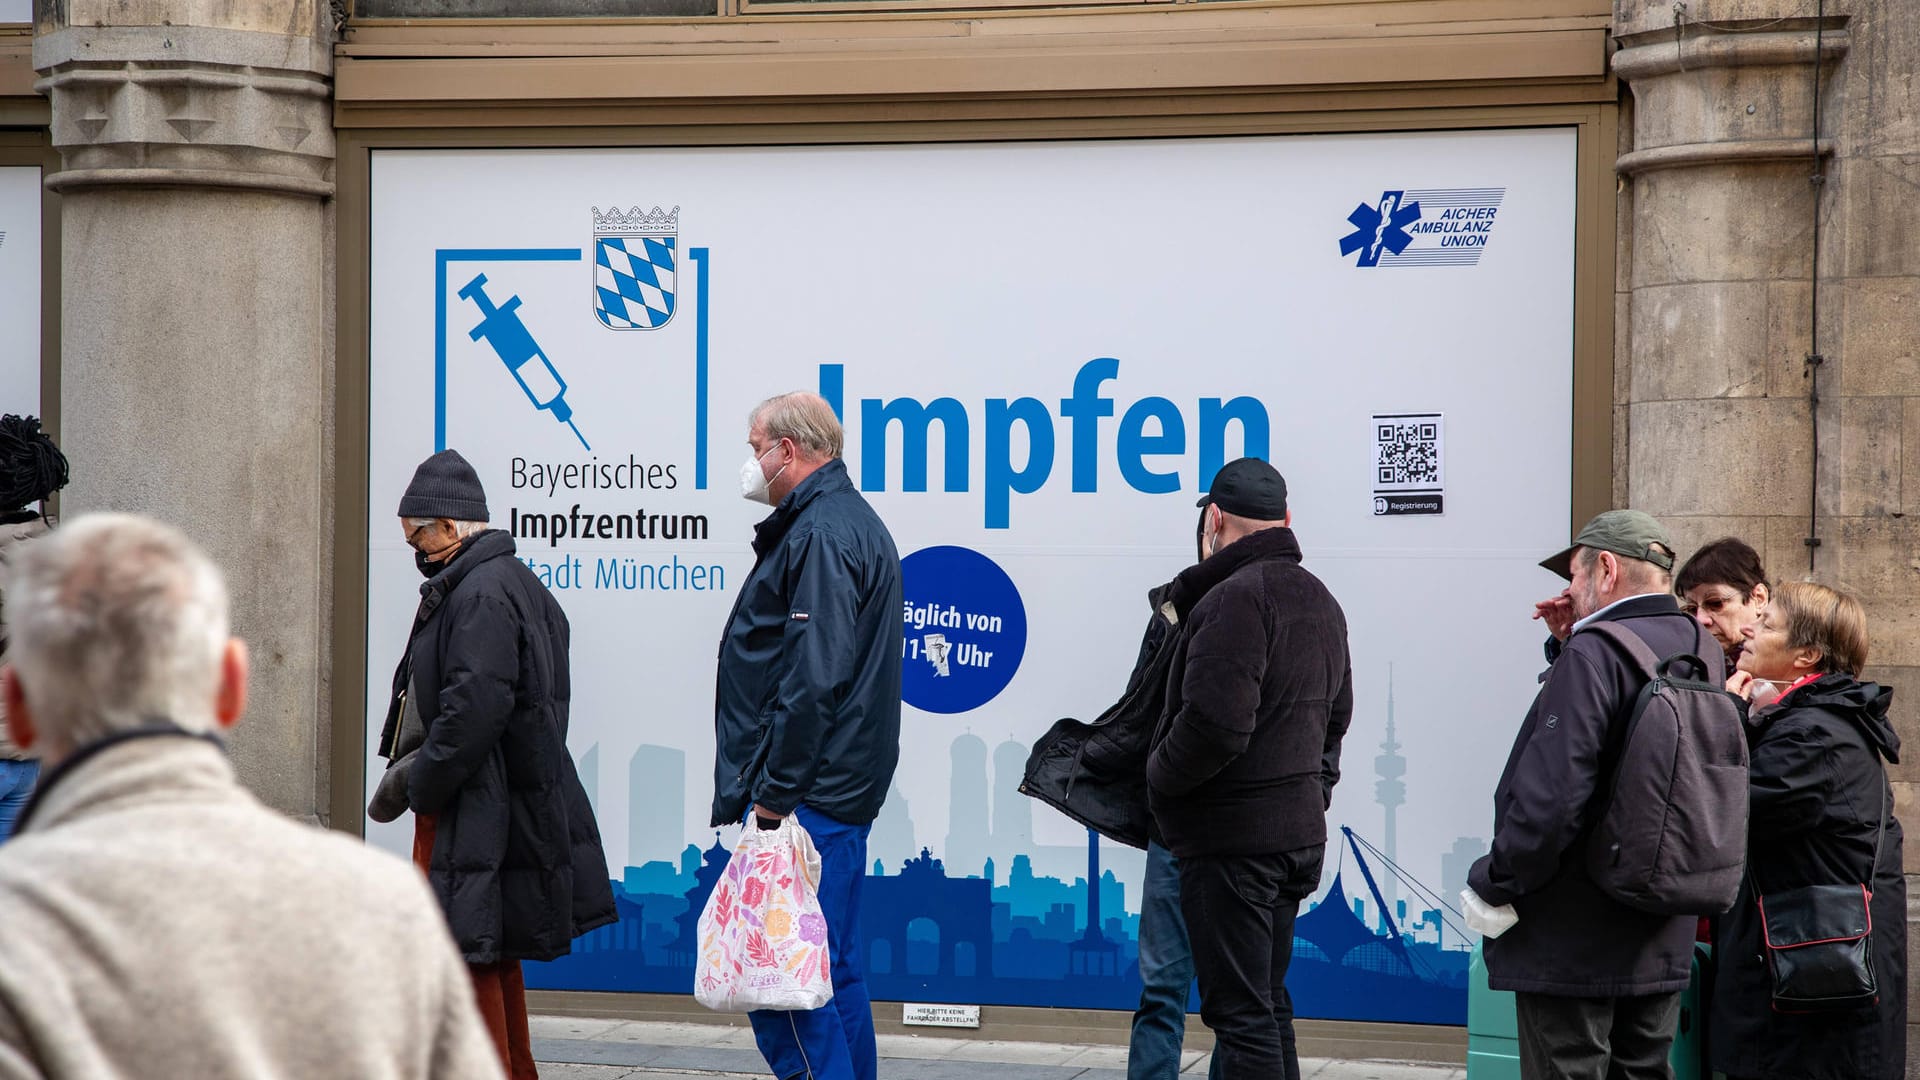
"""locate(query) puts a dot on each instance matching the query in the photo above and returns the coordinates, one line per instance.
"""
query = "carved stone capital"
(1727, 93)
(185, 106)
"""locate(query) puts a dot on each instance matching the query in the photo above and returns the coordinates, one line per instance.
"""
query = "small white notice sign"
(958, 1016)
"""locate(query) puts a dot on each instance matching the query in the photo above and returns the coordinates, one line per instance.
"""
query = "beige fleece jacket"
(157, 922)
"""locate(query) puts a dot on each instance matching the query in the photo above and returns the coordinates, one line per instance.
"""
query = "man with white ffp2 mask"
(807, 702)
(755, 484)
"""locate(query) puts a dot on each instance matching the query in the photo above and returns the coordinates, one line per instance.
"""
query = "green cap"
(1629, 533)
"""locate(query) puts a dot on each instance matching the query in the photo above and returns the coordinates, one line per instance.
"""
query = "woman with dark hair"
(1724, 587)
(31, 468)
(1821, 815)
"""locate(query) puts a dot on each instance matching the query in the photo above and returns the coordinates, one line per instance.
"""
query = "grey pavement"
(582, 1048)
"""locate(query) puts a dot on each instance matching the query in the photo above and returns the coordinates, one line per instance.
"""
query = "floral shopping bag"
(763, 941)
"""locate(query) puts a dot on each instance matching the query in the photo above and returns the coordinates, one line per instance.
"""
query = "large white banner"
(1042, 352)
(20, 289)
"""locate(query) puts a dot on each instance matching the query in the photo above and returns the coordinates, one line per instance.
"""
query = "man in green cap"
(1597, 983)
(1628, 534)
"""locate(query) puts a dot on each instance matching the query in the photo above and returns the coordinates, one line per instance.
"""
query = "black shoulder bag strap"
(1880, 831)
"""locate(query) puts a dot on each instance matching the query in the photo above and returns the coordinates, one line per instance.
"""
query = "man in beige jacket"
(156, 921)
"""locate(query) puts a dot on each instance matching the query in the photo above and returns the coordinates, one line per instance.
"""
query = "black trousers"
(1577, 1038)
(1239, 911)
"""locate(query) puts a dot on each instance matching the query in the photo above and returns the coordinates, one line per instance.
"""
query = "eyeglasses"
(1715, 604)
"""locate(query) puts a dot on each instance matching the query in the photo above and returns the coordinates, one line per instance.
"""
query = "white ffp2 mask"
(755, 486)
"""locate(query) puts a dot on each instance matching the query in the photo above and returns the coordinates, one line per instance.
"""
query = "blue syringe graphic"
(515, 347)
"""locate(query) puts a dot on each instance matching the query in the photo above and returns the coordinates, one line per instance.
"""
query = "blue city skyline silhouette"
(955, 924)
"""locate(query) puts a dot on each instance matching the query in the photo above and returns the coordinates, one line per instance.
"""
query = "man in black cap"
(1245, 758)
(477, 731)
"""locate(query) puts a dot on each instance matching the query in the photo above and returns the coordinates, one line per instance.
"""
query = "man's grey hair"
(115, 621)
(461, 529)
(804, 417)
(1638, 573)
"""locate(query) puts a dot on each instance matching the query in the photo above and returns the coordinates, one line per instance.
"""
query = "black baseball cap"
(1248, 488)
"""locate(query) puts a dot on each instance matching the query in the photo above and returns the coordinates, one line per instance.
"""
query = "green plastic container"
(1493, 1037)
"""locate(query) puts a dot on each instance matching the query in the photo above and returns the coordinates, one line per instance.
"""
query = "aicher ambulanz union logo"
(635, 253)
(1429, 227)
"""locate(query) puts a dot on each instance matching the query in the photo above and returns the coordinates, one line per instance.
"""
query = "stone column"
(196, 317)
(1719, 429)
(1719, 423)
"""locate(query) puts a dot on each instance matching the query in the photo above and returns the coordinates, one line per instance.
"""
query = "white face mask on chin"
(755, 486)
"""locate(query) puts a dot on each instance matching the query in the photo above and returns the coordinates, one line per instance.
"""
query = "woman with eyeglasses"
(1724, 587)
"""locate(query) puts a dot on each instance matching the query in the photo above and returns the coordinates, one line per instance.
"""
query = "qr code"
(1406, 452)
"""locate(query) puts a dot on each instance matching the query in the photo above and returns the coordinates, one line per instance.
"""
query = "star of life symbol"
(1424, 227)
(1382, 229)
(635, 253)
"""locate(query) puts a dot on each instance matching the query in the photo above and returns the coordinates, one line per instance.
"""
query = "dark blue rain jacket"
(807, 702)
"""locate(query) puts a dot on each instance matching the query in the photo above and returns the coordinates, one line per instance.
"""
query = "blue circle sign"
(966, 629)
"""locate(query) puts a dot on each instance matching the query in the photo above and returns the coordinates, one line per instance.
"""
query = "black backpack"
(1671, 838)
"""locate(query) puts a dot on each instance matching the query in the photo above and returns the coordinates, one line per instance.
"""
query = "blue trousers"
(16, 787)
(1166, 973)
(835, 1041)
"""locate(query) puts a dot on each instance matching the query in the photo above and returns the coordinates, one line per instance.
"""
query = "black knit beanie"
(445, 486)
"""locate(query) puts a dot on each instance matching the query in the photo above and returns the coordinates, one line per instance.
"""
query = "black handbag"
(1819, 941)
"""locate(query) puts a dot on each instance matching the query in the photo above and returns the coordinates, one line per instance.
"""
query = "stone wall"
(1717, 316)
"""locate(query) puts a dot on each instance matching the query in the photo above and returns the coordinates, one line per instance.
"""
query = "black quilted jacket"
(517, 862)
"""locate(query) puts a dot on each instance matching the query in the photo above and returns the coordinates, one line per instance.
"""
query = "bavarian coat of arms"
(634, 254)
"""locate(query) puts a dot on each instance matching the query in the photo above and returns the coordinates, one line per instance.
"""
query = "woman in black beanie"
(31, 468)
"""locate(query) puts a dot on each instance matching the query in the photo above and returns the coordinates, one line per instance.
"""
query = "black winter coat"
(1573, 940)
(1096, 773)
(1259, 695)
(1817, 789)
(517, 863)
(807, 698)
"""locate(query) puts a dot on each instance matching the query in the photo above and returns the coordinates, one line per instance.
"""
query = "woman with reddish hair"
(1822, 814)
